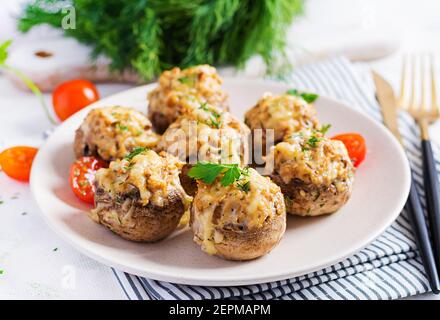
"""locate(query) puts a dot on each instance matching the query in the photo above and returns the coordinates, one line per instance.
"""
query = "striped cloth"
(389, 268)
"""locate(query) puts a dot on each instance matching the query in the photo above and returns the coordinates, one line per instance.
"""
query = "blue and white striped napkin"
(389, 268)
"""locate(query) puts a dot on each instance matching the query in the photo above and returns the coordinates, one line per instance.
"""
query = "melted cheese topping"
(207, 134)
(155, 176)
(178, 91)
(216, 207)
(117, 130)
(322, 163)
(284, 114)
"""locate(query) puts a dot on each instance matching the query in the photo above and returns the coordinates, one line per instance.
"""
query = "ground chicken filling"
(117, 130)
(311, 158)
(179, 90)
(207, 134)
(284, 113)
(216, 207)
(154, 176)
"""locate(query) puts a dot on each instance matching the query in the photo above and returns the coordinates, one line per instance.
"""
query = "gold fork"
(424, 113)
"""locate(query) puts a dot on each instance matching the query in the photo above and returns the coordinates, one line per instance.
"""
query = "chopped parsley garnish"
(189, 80)
(245, 186)
(204, 106)
(313, 141)
(325, 128)
(1, 272)
(215, 121)
(135, 152)
(130, 165)
(1, 202)
(121, 127)
(55, 249)
(307, 96)
(231, 175)
(293, 92)
(304, 149)
(208, 172)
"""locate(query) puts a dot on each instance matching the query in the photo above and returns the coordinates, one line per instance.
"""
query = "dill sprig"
(150, 36)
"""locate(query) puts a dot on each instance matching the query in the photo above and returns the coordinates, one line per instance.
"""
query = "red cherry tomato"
(355, 145)
(16, 162)
(82, 176)
(71, 96)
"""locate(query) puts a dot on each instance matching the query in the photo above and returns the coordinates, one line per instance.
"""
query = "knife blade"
(388, 102)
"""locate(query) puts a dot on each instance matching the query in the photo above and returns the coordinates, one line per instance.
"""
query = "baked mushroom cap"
(180, 91)
(206, 134)
(315, 173)
(284, 114)
(141, 199)
(111, 133)
(238, 223)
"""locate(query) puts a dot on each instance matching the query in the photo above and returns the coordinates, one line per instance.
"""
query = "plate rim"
(244, 279)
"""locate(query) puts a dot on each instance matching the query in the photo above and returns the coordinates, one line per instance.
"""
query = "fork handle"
(421, 235)
(432, 190)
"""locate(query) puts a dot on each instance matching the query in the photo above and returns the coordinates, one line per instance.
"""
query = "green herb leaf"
(325, 128)
(2, 272)
(215, 121)
(121, 127)
(204, 106)
(231, 175)
(313, 141)
(215, 124)
(246, 186)
(1, 202)
(55, 249)
(308, 97)
(293, 92)
(189, 80)
(151, 36)
(4, 51)
(206, 171)
(135, 152)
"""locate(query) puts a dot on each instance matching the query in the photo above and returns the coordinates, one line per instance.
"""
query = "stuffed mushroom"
(111, 133)
(140, 197)
(315, 173)
(206, 134)
(241, 221)
(180, 91)
(284, 114)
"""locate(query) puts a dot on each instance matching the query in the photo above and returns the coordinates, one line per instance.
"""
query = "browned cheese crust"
(110, 133)
(180, 91)
(235, 224)
(285, 114)
(141, 199)
(315, 178)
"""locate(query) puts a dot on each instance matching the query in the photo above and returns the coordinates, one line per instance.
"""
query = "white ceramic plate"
(381, 188)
